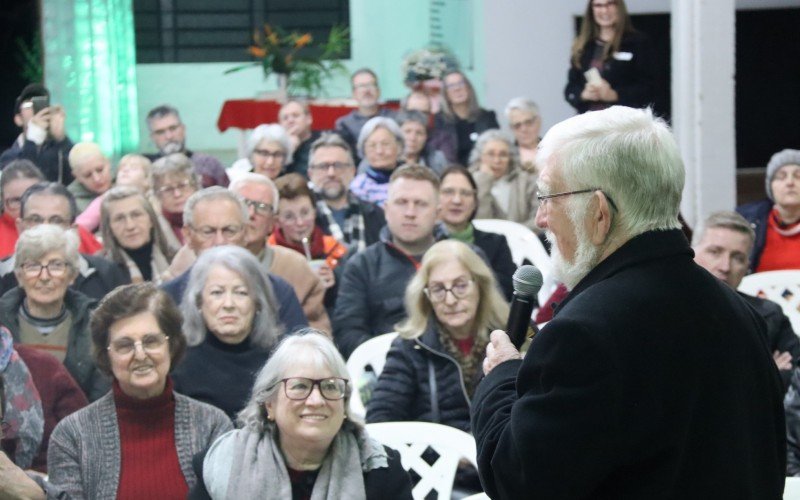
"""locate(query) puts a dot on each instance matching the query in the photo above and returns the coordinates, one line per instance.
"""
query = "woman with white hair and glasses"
(381, 145)
(267, 152)
(230, 322)
(298, 438)
(525, 123)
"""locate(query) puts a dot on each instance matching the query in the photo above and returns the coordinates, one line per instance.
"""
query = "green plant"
(291, 54)
(29, 56)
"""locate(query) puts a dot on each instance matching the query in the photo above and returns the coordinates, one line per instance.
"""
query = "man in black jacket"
(653, 379)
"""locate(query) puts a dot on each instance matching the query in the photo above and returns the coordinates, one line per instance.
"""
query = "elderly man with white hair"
(653, 379)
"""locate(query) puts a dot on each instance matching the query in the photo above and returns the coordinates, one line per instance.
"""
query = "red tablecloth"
(250, 113)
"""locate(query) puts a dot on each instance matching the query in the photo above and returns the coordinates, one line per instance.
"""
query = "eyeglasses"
(524, 123)
(152, 342)
(208, 232)
(258, 207)
(544, 197)
(451, 192)
(12, 203)
(438, 292)
(605, 5)
(266, 153)
(122, 219)
(55, 268)
(35, 220)
(172, 189)
(303, 214)
(300, 388)
(503, 155)
(359, 86)
(385, 145)
(336, 165)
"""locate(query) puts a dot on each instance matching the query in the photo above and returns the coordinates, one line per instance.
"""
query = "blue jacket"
(756, 214)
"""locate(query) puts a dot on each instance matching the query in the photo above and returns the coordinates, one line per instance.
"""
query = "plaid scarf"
(352, 234)
(470, 363)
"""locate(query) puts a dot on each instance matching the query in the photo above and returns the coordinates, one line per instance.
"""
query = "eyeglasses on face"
(259, 207)
(604, 5)
(524, 123)
(438, 292)
(55, 268)
(543, 198)
(152, 342)
(323, 167)
(384, 145)
(175, 189)
(266, 153)
(208, 232)
(12, 203)
(299, 388)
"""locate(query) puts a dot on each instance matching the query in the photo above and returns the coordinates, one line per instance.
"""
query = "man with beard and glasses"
(654, 378)
(353, 222)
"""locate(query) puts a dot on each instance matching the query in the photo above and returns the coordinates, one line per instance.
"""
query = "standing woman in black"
(621, 56)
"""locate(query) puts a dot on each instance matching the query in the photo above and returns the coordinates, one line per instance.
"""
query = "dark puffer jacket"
(757, 214)
(403, 391)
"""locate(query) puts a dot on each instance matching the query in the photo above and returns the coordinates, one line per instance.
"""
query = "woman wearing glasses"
(132, 236)
(230, 321)
(611, 62)
(298, 438)
(505, 190)
(44, 312)
(381, 145)
(138, 440)
(174, 181)
(268, 151)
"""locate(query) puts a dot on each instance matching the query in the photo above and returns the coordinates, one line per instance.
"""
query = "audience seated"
(43, 139)
(381, 146)
(367, 95)
(298, 231)
(296, 119)
(133, 238)
(168, 133)
(230, 321)
(340, 213)
(275, 451)
(414, 126)
(261, 195)
(92, 172)
(417, 100)
(214, 217)
(525, 123)
(268, 151)
(17, 176)
(51, 203)
(505, 191)
(370, 300)
(458, 203)
(138, 440)
(722, 244)
(174, 181)
(44, 312)
(777, 220)
(457, 126)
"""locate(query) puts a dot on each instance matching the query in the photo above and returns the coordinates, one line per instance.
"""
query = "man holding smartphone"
(43, 139)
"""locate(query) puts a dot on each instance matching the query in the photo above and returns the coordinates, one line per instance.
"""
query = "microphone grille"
(527, 280)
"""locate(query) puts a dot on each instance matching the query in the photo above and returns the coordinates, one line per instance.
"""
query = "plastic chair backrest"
(792, 489)
(524, 244)
(370, 353)
(413, 440)
(781, 287)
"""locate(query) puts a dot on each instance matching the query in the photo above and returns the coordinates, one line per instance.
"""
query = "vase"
(282, 92)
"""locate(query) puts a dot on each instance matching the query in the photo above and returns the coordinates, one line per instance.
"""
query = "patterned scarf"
(470, 363)
(352, 234)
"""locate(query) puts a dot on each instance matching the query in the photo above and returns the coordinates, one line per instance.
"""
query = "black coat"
(757, 214)
(495, 246)
(403, 390)
(444, 136)
(629, 72)
(653, 380)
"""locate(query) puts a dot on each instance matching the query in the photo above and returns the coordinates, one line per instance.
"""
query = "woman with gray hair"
(298, 438)
(44, 311)
(382, 146)
(230, 321)
(414, 126)
(525, 123)
(174, 181)
(268, 151)
(777, 220)
(505, 191)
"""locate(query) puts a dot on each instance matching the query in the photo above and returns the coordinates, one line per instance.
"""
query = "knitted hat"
(778, 160)
(32, 90)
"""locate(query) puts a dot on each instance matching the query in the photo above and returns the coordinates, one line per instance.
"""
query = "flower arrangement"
(429, 63)
(290, 56)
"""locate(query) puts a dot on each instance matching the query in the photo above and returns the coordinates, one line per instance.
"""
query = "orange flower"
(303, 41)
(273, 38)
(257, 51)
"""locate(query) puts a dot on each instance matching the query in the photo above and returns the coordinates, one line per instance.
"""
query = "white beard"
(586, 258)
(172, 147)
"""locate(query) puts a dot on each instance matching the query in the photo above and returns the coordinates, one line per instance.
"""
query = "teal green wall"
(382, 32)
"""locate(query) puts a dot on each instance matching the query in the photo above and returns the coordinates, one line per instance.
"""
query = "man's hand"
(57, 118)
(42, 119)
(15, 484)
(499, 350)
(783, 360)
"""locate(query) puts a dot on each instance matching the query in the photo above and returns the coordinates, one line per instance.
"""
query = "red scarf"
(316, 243)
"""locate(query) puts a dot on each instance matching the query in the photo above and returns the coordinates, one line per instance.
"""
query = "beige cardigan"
(522, 199)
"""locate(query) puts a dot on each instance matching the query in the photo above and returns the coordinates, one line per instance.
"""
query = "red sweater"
(780, 252)
(150, 466)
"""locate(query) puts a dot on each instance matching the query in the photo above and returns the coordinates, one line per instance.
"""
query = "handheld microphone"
(527, 282)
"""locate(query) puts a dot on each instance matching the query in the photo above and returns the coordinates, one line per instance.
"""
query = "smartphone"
(39, 103)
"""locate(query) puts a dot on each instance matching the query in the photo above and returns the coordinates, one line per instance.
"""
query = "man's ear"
(600, 218)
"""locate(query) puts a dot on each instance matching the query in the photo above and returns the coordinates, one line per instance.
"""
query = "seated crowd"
(173, 327)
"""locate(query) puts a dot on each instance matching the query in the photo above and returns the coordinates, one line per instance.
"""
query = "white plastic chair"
(524, 244)
(792, 489)
(781, 287)
(412, 439)
(372, 353)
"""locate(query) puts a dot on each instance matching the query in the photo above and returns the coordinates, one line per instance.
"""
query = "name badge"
(623, 56)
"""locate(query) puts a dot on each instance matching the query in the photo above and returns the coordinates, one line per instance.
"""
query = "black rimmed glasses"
(338, 166)
(175, 189)
(299, 388)
(438, 292)
(259, 207)
(55, 268)
(543, 198)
